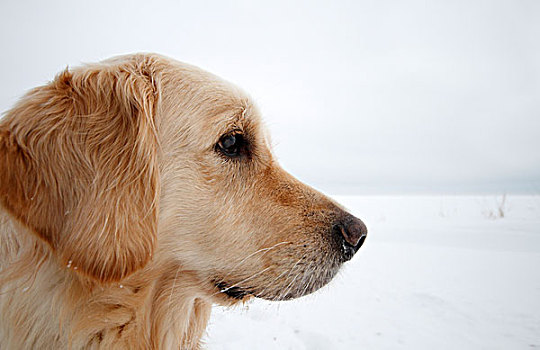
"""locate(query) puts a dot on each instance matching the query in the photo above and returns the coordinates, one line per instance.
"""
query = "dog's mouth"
(307, 281)
(233, 292)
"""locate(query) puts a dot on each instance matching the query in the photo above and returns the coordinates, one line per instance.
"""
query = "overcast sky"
(360, 96)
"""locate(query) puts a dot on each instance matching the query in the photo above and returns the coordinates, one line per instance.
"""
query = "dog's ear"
(78, 166)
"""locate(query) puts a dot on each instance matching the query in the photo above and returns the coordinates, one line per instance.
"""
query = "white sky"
(360, 96)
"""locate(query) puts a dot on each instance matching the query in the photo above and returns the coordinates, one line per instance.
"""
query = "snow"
(436, 272)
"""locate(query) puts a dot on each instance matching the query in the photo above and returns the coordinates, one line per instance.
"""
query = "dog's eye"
(232, 145)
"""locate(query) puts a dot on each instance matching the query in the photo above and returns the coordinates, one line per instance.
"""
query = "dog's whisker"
(310, 273)
(290, 272)
(242, 281)
(173, 286)
(290, 285)
(263, 250)
(272, 283)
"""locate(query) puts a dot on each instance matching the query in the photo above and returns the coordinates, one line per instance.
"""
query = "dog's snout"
(352, 231)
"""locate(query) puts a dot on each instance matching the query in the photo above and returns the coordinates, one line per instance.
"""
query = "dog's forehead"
(204, 106)
(226, 108)
(209, 102)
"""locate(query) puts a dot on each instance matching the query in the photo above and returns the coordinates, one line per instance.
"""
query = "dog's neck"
(45, 305)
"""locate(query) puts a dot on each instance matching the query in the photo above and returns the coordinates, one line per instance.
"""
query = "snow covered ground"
(436, 272)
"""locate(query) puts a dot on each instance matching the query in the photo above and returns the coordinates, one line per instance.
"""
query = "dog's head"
(142, 158)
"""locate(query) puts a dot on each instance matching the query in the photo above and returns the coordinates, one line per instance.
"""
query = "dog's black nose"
(352, 232)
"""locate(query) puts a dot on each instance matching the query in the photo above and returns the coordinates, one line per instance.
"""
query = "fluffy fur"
(121, 223)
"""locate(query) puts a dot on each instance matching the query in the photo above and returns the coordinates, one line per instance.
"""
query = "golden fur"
(120, 222)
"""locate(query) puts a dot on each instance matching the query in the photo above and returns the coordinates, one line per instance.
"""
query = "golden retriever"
(137, 192)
